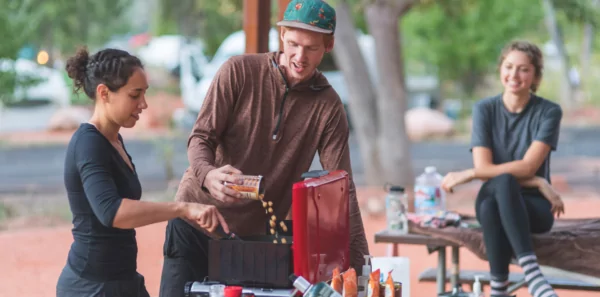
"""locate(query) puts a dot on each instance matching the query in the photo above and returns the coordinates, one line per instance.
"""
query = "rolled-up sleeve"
(212, 120)
(93, 164)
(334, 153)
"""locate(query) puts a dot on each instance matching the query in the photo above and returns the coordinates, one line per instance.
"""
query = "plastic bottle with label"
(395, 207)
(363, 279)
(307, 289)
(477, 291)
(429, 196)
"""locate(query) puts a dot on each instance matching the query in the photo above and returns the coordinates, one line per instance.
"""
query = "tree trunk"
(586, 49)
(470, 80)
(567, 91)
(361, 96)
(382, 20)
(587, 45)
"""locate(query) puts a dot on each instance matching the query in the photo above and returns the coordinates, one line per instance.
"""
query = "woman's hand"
(456, 178)
(207, 217)
(558, 207)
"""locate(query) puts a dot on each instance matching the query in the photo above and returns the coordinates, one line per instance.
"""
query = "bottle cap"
(430, 169)
(397, 189)
(300, 283)
(232, 291)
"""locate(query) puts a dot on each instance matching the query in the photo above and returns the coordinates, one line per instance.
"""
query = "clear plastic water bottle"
(395, 206)
(429, 196)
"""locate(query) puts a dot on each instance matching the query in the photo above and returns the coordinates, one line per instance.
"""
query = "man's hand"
(454, 179)
(558, 207)
(207, 217)
(214, 180)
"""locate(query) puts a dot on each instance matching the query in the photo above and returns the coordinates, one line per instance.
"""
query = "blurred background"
(408, 72)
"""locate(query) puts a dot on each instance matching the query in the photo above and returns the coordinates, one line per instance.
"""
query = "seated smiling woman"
(102, 182)
(513, 135)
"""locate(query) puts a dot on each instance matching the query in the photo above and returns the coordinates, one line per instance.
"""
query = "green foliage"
(17, 25)
(67, 24)
(579, 11)
(6, 211)
(464, 38)
(221, 18)
(212, 21)
(60, 25)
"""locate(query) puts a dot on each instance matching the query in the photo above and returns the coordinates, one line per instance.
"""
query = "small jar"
(232, 291)
(217, 291)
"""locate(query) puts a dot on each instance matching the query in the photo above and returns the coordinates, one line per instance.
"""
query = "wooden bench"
(558, 278)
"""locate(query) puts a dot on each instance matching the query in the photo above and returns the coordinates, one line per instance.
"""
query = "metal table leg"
(392, 250)
(455, 276)
(441, 270)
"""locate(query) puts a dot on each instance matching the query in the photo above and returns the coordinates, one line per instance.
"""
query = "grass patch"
(23, 211)
(6, 211)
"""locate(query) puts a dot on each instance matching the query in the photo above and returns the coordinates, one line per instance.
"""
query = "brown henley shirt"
(238, 125)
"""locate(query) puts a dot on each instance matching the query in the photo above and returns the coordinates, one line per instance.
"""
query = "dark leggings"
(508, 218)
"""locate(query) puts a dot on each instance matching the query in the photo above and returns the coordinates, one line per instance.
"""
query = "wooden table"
(433, 244)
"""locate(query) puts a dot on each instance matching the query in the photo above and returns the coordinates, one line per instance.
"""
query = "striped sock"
(499, 285)
(536, 283)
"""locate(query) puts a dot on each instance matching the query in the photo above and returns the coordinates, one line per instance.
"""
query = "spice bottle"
(307, 289)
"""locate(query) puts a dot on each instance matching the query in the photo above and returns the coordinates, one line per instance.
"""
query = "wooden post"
(281, 5)
(257, 23)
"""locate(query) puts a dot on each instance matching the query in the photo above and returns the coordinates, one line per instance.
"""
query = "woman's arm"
(112, 210)
(483, 155)
(133, 213)
(525, 168)
(532, 182)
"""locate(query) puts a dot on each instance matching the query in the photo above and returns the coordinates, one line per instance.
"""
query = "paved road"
(41, 168)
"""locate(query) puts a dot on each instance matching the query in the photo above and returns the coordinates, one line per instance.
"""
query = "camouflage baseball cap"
(312, 15)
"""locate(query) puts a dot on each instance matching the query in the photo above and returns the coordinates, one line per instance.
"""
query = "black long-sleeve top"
(97, 179)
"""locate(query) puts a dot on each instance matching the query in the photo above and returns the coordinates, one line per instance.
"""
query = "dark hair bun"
(111, 67)
(77, 67)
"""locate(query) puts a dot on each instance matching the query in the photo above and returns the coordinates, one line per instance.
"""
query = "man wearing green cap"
(264, 114)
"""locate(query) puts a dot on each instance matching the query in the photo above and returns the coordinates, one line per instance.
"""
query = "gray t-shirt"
(509, 135)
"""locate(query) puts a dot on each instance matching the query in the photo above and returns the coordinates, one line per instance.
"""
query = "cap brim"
(304, 26)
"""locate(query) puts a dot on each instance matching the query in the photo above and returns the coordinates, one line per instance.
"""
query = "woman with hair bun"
(102, 183)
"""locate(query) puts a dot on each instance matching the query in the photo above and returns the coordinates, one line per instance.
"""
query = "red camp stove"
(317, 241)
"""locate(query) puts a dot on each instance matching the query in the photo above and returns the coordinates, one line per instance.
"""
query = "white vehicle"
(195, 77)
(166, 52)
(52, 87)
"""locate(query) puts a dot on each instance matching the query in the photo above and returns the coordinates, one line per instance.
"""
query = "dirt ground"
(32, 258)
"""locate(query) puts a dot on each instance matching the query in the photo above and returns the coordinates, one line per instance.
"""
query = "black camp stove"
(254, 263)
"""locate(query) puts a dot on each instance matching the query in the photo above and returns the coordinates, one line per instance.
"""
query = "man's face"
(303, 51)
